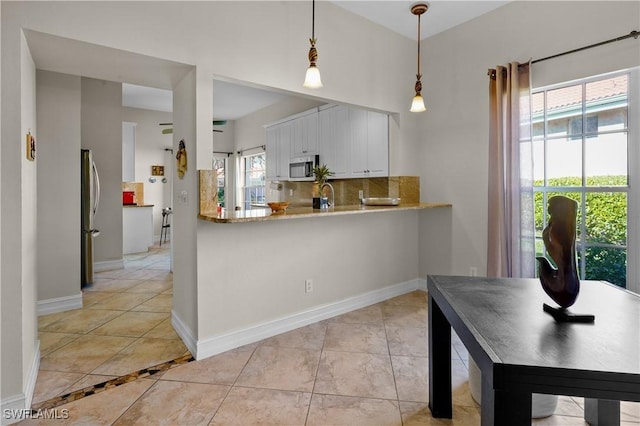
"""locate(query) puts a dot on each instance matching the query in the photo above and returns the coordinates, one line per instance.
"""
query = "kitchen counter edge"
(262, 215)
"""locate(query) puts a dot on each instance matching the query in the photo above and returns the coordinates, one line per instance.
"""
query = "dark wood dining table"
(521, 350)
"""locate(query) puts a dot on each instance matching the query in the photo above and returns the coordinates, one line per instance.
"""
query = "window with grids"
(580, 147)
(220, 166)
(254, 180)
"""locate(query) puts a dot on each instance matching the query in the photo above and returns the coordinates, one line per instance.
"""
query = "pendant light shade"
(417, 105)
(312, 78)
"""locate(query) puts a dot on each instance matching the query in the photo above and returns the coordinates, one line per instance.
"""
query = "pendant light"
(312, 79)
(417, 105)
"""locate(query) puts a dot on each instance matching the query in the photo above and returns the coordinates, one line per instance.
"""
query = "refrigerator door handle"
(96, 180)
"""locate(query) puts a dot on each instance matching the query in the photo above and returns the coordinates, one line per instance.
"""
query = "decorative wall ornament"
(181, 158)
(561, 283)
(157, 170)
(31, 146)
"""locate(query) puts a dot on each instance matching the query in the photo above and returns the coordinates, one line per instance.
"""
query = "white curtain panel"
(511, 233)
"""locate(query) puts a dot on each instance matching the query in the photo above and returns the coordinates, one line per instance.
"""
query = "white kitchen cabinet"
(305, 135)
(354, 142)
(334, 137)
(137, 229)
(377, 144)
(358, 142)
(369, 151)
(277, 150)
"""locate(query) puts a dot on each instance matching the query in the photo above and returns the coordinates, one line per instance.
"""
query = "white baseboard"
(59, 304)
(184, 332)
(18, 407)
(33, 375)
(422, 284)
(13, 409)
(222, 343)
(108, 265)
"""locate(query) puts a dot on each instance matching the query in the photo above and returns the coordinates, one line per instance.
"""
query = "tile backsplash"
(138, 188)
(346, 190)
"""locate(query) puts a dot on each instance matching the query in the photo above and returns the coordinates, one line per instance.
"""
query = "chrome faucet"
(333, 194)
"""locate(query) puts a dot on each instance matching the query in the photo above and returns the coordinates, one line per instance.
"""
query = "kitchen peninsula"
(276, 272)
(259, 215)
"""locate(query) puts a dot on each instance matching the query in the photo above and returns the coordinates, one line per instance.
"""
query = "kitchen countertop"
(260, 215)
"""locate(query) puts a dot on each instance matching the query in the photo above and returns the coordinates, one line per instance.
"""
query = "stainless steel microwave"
(301, 168)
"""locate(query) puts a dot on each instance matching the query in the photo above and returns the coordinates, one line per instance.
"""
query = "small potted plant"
(321, 174)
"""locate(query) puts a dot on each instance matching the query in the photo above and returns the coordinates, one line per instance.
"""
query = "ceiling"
(396, 14)
(233, 101)
(230, 102)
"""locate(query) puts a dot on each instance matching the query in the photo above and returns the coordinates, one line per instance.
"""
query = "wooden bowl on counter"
(279, 207)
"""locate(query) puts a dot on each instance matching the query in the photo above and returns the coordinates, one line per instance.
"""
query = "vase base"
(563, 315)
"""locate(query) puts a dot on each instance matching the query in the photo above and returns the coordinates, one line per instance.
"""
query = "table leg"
(601, 412)
(511, 408)
(439, 362)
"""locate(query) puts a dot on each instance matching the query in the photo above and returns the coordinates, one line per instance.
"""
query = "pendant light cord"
(313, 19)
(418, 46)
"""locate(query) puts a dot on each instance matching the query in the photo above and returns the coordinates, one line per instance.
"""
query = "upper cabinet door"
(277, 150)
(334, 136)
(358, 130)
(305, 135)
(311, 133)
(272, 153)
(377, 144)
(284, 147)
(369, 143)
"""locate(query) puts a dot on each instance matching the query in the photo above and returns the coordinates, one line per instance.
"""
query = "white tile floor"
(367, 367)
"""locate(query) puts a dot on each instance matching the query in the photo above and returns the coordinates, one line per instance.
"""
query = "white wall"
(185, 207)
(1, 202)
(150, 150)
(20, 353)
(243, 286)
(455, 129)
(30, 353)
(101, 116)
(58, 162)
(249, 130)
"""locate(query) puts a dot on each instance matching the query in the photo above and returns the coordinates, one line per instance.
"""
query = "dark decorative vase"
(561, 283)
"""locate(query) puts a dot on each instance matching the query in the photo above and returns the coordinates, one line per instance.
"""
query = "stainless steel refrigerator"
(89, 198)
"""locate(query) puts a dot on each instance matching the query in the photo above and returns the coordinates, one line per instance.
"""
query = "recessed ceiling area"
(230, 101)
(135, 96)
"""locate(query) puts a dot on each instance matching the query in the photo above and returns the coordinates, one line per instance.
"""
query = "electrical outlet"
(308, 285)
(291, 192)
(473, 271)
(360, 194)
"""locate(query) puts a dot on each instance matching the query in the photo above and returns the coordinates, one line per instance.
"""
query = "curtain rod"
(249, 149)
(633, 34)
(223, 152)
